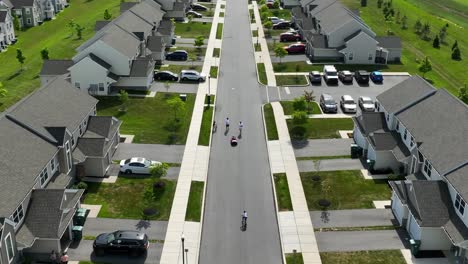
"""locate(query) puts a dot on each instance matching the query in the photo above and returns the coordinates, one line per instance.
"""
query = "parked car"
(330, 75)
(204, 1)
(269, 4)
(165, 76)
(376, 76)
(362, 77)
(345, 76)
(282, 25)
(328, 104)
(131, 242)
(295, 48)
(190, 75)
(366, 104)
(193, 14)
(290, 36)
(347, 104)
(177, 55)
(315, 77)
(198, 7)
(275, 20)
(137, 165)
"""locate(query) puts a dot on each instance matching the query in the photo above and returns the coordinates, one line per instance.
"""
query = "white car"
(366, 104)
(275, 20)
(347, 104)
(189, 75)
(137, 165)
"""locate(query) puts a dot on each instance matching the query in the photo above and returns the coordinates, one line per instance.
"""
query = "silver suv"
(347, 104)
(328, 104)
(189, 75)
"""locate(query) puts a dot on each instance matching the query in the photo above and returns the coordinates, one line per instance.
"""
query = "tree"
(404, 22)
(280, 52)
(16, 22)
(123, 98)
(379, 3)
(276, 4)
(397, 17)
(3, 91)
(299, 117)
(45, 54)
(199, 42)
(425, 66)
(264, 9)
(455, 45)
(79, 31)
(426, 29)
(177, 105)
(418, 26)
(363, 3)
(159, 170)
(20, 57)
(107, 15)
(299, 104)
(463, 94)
(436, 43)
(268, 25)
(309, 97)
(456, 54)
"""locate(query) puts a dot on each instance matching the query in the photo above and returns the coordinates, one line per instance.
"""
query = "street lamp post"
(186, 255)
(182, 238)
(209, 92)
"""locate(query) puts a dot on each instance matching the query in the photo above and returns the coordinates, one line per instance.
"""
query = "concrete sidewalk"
(297, 231)
(194, 167)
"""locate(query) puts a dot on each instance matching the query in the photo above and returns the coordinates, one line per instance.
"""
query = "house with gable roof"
(421, 132)
(7, 29)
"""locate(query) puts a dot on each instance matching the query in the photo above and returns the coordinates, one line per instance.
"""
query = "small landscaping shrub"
(298, 133)
(159, 185)
(299, 104)
(82, 185)
(300, 117)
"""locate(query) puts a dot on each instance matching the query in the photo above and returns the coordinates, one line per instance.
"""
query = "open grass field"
(363, 257)
(446, 72)
(54, 35)
(192, 29)
(151, 120)
(347, 190)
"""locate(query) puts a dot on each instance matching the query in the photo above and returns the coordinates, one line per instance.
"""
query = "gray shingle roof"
(3, 15)
(55, 67)
(405, 93)
(96, 139)
(100, 24)
(141, 67)
(150, 11)
(440, 126)
(102, 126)
(390, 141)
(459, 180)
(155, 43)
(165, 27)
(389, 42)
(370, 122)
(126, 6)
(131, 23)
(45, 217)
(7, 3)
(20, 3)
(93, 147)
(121, 40)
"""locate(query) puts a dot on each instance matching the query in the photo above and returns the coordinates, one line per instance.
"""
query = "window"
(77, 85)
(28, 11)
(371, 56)
(52, 164)
(405, 134)
(427, 168)
(421, 157)
(101, 87)
(398, 126)
(350, 56)
(18, 214)
(460, 204)
(81, 130)
(68, 153)
(9, 247)
(28, 21)
(412, 141)
(44, 176)
(73, 141)
(388, 117)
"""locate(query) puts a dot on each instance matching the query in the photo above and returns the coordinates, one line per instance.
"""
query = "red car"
(295, 48)
(290, 36)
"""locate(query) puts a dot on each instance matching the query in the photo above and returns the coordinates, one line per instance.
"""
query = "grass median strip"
(219, 31)
(272, 131)
(216, 52)
(195, 202)
(324, 157)
(282, 192)
(214, 72)
(302, 66)
(344, 189)
(290, 80)
(294, 258)
(262, 73)
(363, 257)
(288, 108)
(320, 128)
(206, 126)
(193, 29)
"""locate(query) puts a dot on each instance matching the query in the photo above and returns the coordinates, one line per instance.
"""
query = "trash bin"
(414, 245)
(183, 97)
(77, 232)
(80, 210)
(79, 218)
(371, 164)
(354, 151)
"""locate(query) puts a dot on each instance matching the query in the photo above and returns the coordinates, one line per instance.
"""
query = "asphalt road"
(239, 177)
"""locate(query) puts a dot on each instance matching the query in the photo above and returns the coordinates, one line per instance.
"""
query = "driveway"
(96, 226)
(164, 153)
(360, 240)
(84, 252)
(330, 165)
(352, 218)
(323, 147)
(174, 87)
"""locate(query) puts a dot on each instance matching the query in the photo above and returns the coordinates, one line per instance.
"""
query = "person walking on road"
(244, 220)
(241, 125)
(227, 123)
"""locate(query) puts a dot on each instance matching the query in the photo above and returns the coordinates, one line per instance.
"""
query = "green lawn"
(347, 190)
(302, 66)
(288, 108)
(54, 35)
(290, 80)
(206, 126)
(318, 128)
(254, 33)
(216, 52)
(193, 29)
(214, 72)
(445, 71)
(280, 13)
(269, 116)
(262, 73)
(128, 197)
(195, 202)
(151, 120)
(292, 258)
(363, 257)
(282, 192)
(258, 47)
(219, 31)
(221, 14)
(324, 157)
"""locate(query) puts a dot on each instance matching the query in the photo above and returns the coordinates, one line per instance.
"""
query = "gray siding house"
(7, 30)
(422, 132)
(39, 137)
(29, 12)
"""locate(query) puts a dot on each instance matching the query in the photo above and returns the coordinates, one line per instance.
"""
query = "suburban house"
(7, 29)
(421, 131)
(44, 138)
(175, 8)
(29, 12)
(117, 57)
(289, 4)
(53, 68)
(334, 33)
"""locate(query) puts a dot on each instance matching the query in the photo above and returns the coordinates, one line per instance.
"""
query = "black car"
(362, 77)
(194, 14)
(165, 76)
(282, 25)
(131, 242)
(198, 7)
(177, 55)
